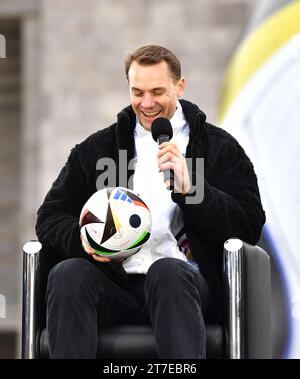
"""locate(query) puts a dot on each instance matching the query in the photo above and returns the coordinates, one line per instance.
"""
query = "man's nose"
(147, 101)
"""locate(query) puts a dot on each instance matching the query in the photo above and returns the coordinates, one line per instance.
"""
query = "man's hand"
(170, 158)
(91, 252)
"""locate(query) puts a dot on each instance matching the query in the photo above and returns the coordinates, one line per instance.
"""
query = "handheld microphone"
(162, 131)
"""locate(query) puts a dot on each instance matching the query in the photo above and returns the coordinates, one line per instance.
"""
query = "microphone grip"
(163, 138)
(169, 179)
(168, 174)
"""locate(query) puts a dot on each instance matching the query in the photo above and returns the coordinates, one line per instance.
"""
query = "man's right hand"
(91, 252)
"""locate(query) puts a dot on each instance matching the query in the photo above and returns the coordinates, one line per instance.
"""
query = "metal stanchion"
(233, 271)
(31, 257)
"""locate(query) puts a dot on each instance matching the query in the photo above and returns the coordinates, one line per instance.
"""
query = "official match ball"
(115, 222)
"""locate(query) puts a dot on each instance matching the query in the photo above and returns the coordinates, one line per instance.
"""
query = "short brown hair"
(152, 54)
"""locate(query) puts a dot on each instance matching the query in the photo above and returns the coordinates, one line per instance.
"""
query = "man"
(175, 292)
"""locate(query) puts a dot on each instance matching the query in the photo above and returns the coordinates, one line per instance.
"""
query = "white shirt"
(149, 184)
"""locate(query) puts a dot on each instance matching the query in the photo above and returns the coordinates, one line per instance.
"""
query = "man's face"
(153, 92)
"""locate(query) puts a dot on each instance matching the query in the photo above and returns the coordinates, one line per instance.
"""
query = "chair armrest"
(257, 303)
(248, 290)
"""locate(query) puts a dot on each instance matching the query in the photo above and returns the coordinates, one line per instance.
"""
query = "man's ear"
(180, 86)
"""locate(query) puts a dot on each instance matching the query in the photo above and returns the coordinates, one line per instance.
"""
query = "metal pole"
(31, 256)
(233, 271)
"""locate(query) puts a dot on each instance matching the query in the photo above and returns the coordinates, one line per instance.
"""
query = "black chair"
(246, 333)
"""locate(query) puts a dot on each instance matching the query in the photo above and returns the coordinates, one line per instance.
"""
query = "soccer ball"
(115, 222)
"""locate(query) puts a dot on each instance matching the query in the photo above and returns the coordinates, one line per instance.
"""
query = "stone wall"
(10, 156)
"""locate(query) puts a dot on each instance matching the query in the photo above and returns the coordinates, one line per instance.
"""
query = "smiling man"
(154, 89)
(174, 282)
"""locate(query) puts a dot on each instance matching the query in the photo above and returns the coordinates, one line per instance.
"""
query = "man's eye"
(139, 94)
(158, 93)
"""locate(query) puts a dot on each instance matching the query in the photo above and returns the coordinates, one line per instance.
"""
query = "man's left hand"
(170, 158)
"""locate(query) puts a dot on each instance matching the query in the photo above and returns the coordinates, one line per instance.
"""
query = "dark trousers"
(82, 299)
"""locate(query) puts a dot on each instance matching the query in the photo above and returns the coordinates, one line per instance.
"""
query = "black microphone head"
(161, 126)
